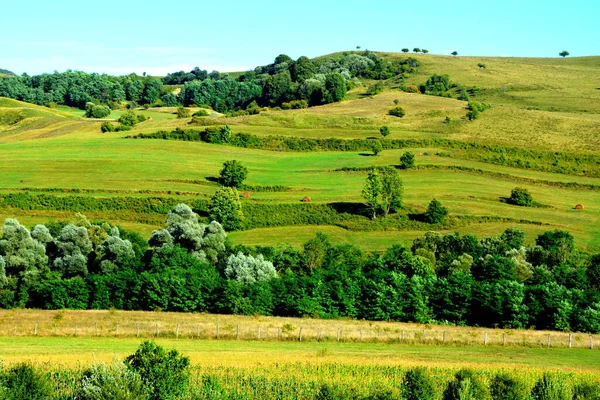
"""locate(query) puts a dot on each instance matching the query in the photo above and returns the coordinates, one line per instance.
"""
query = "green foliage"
(383, 191)
(375, 89)
(225, 208)
(248, 270)
(129, 118)
(217, 135)
(481, 65)
(165, 373)
(417, 50)
(107, 127)
(506, 387)
(465, 386)
(586, 391)
(407, 160)
(436, 213)
(384, 131)
(436, 85)
(405, 50)
(418, 384)
(520, 197)
(233, 174)
(23, 381)
(96, 110)
(454, 53)
(376, 147)
(21, 253)
(111, 382)
(563, 53)
(182, 112)
(397, 112)
(552, 387)
(372, 191)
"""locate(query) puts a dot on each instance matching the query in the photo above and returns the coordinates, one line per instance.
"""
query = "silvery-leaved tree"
(114, 252)
(73, 247)
(249, 270)
(22, 254)
(205, 242)
(3, 279)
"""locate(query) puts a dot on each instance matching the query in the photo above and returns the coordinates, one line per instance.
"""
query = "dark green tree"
(376, 147)
(303, 69)
(225, 208)
(407, 160)
(520, 197)
(372, 191)
(405, 50)
(335, 87)
(436, 213)
(384, 131)
(563, 53)
(417, 50)
(454, 53)
(233, 174)
(391, 190)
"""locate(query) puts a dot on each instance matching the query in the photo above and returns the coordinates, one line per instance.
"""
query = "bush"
(165, 374)
(96, 111)
(226, 209)
(107, 127)
(233, 174)
(123, 127)
(418, 384)
(472, 115)
(384, 130)
(141, 118)
(410, 89)
(129, 119)
(201, 113)
(111, 382)
(24, 382)
(586, 391)
(217, 135)
(375, 89)
(465, 386)
(504, 387)
(436, 213)
(407, 160)
(376, 147)
(397, 112)
(552, 387)
(520, 197)
(182, 112)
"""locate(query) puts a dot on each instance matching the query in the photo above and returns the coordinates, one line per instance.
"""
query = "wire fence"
(312, 333)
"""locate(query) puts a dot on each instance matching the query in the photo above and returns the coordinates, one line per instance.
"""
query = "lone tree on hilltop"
(424, 51)
(520, 197)
(436, 213)
(417, 50)
(454, 53)
(233, 174)
(563, 53)
(405, 50)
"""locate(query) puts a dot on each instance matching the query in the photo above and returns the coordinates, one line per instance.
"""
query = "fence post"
(217, 331)
(485, 338)
(591, 343)
(570, 340)
(548, 341)
(157, 329)
(137, 329)
(444, 337)
(503, 338)
(35, 329)
(300, 335)
(75, 329)
(339, 334)
(402, 335)
(177, 331)
(15, 330)
(198, 331)
(258, 335)
(237, 332)
(117, 330)
(320, 334)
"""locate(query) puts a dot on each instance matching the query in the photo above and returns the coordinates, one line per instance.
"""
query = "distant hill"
(6, 72)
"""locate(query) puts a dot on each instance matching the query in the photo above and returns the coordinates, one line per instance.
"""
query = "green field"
(537, 104)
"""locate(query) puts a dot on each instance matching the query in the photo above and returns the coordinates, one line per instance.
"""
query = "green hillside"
(540, 133)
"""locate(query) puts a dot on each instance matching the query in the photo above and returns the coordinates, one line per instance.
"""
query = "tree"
(454, 53)
(114, 252)
(391, 190)
(424, 51)
(21, 252)
(558, 245)
(384, 131)
(405, 50)
(249, 270)
(96, 111)
(225, 208)
(520, 197)
(303, 69)
(182, 112)
(233, 174)
(335, 87)
(372, 191)
(417, 50)
(315, 250)
(376, 147)
(152, 90)
(74, 246)
(563, 53)
(481, 65)
(204, 242)
(436, 213)
(407, 160)
(128, 119)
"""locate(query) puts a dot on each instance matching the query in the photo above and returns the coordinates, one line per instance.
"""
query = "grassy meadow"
(538, 104)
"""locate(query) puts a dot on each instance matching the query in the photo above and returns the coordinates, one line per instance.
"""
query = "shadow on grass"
(367, 154)
(350, 208)
(418, 217)
(213, 179)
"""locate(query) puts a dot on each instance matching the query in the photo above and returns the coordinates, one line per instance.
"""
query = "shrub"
(472, 115)
(410, 89)
(165, 374)
(397, 112)
(407, 160)
(520, 197)
(182, 112)
(218, 135)
(123, 127)
(233, 173)
(96, 111)
(465, 386)
(481, 65)
(111, 382)
(24, 382)
(141, 118)
(586, 391)
(552, 387)
(375, 89)
(384, 130)
(505, 387)
(107, 127)
(226, 209)
(299, 104)
(129, 119)
(418, 384)
(436, 213)
(201, 113)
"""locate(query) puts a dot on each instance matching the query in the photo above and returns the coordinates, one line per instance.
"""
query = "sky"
(120, 37)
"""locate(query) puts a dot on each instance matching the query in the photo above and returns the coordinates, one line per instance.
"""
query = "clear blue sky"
(120, 37)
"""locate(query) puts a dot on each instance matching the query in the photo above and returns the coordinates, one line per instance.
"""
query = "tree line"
(313, 81)
(190, 266)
